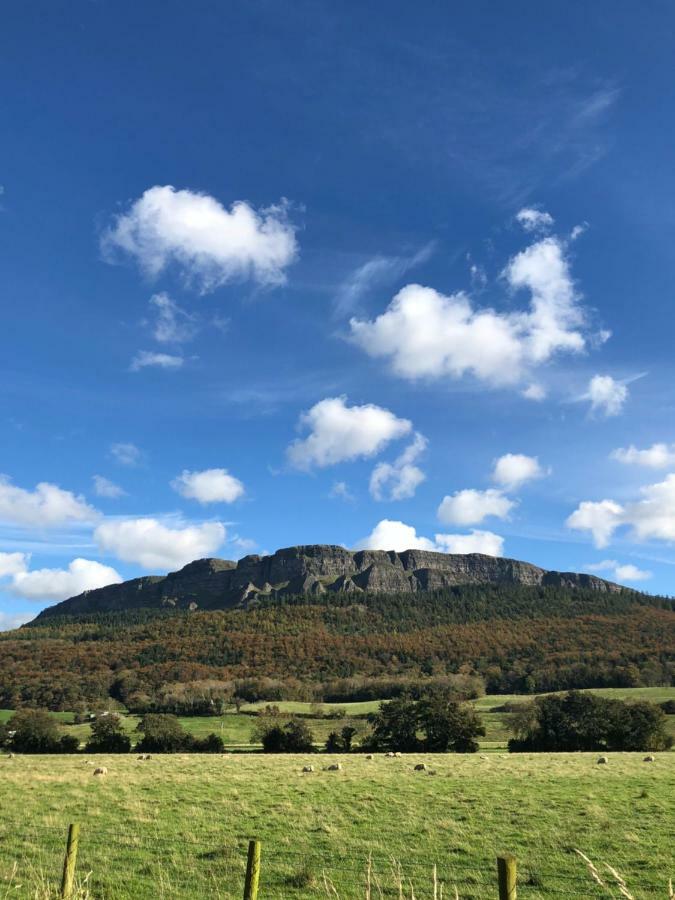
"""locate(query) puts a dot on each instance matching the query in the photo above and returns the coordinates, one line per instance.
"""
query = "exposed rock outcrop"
(315, 569)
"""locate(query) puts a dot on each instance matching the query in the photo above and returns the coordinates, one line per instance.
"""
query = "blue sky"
(369, 274)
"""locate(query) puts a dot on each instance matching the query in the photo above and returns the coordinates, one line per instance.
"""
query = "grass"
(177, 826)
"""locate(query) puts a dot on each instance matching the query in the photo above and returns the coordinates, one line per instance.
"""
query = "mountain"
(314, 570)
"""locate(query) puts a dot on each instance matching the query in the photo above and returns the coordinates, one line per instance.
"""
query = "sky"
(380, 275)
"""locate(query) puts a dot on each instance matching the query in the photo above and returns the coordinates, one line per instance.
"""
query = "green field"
(177, 826)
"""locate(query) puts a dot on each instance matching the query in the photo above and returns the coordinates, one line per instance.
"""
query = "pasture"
(177, 826)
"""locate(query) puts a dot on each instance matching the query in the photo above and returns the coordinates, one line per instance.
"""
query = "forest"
(494, 638)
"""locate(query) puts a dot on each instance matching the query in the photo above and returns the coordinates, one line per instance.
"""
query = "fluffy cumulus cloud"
(59, 584)
(13, 564)
(399, 480)
(658, 456)
(173, 324)
(147, 359)
(208, 486)
(126, 454)
(393, 535)
(607, 396)
(341, 433)
(533, 219)
(104, 487)
(471, 507)
(426, 334)
(155, 545)
(513, 470)
(209, 244)
(620, 571)
(601, 518)
(45, 506)
(650, 517)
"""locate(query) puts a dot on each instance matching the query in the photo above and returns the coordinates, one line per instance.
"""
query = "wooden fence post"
(252, 871)
(506, 873)
(69, 862)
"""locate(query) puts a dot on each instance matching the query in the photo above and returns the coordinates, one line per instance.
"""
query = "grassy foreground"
(177, 826)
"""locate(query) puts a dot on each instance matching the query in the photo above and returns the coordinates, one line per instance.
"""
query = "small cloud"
(606, 395)
(146, 358)
(620, 571)
(533, 219)
(208, 486)
(399, 480)
(390, 534)
(578, 230)
(342, 433)
(103, 487)
(535, 392)
(13, 563)
(46, 506)
(513, 470)
(126, 454)
(340, 491)
(154, 545)
(471, 507)
(209, 244)
(173, 324)
(658, 456)
(59, 584)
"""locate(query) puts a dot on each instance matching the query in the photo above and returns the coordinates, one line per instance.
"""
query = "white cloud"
(340, 491)
(103, 487)
(126, 454)
(650, 517)
(399, 480)
(157, 546)
(486, 542)
(46, 506)
(209, 244)
(146, 358)
(601, 518)
(13, 563)
(620, 571)
(339, 433)
(607, 396)
(425, 334)
(514, 469)
(534, 391)
(173, 324)
(8, 621)
(534, 219)
(209, 486)
(390, 534)
(470, 507)
(658, 456)
(59, 584)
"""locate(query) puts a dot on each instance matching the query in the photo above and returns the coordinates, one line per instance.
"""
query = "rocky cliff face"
(314, 569)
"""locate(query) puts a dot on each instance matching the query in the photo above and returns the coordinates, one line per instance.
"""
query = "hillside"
(511, 638)
(315, 570)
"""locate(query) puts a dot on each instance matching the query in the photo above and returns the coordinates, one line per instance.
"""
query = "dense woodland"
(503, 639)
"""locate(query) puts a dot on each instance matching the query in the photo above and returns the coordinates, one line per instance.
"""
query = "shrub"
(340, 741)
(212, 743)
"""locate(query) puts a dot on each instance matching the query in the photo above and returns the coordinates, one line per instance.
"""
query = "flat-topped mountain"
(315, 569)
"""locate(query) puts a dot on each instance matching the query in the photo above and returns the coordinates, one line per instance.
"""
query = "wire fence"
(146, 863)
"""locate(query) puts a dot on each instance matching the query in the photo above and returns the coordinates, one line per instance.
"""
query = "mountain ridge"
(312, 569)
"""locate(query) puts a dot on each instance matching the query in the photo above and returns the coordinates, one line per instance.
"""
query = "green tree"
(448, 725)
(293, 737)
(107, 736)
(395, 726)
(35, 731)
(162, 733)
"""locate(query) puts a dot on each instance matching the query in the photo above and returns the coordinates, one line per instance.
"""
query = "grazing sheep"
(420, 767)
(397, 754)
(390, 754)
(649, 758)
(144, 756)
(308, 768)
(101, 770)
(602, 760)
(335, 767)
